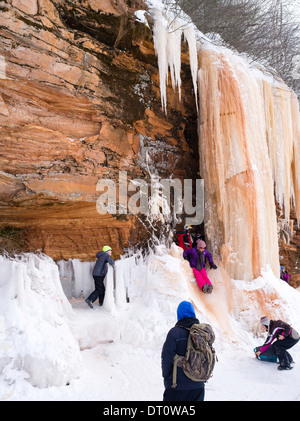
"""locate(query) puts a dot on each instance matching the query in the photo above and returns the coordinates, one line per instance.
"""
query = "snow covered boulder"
(36, 341)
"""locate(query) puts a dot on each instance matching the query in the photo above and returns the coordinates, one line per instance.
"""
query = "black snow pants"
(99, 291)
(281, 347)
(184, 395)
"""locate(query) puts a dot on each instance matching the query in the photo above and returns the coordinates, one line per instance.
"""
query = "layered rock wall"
(80, 101)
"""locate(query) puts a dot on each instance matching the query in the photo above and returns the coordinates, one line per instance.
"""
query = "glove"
(213, 266)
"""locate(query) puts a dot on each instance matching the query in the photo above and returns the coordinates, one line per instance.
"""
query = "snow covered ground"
(112, 353)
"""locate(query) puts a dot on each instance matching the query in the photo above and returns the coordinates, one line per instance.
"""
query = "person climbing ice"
(99, 273)
(282, 336)
(197, 257)
(284, 275)
(184, 238)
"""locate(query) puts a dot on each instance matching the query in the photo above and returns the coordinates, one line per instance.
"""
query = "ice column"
(248, 145)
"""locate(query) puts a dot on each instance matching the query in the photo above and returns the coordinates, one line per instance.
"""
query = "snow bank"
(41, 334)
(143, 293)
(36, 342)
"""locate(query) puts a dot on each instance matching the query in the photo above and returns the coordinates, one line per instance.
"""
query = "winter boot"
(284, 367)
(205, 287)
(209, 288)
(285, 362)
(89, 303)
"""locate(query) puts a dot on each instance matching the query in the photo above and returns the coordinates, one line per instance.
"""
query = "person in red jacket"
(286, 337)
(184, 239)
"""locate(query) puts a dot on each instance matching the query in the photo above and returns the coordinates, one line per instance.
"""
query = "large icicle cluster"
(168, 32)
(249, 142)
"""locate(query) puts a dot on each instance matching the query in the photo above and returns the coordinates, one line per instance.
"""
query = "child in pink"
(197, 257)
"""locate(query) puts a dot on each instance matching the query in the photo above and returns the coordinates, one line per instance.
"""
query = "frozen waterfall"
(249, 143)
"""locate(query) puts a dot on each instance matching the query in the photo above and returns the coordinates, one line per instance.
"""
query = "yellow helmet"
(106, 248)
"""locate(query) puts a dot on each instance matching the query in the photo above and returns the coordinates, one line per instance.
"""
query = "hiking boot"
(284, 367)
(89, 303)
(204, 288)
(209, 289)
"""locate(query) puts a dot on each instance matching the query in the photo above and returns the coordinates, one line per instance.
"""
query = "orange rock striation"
(80, 101)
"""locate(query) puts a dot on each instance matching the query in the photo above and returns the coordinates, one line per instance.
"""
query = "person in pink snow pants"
(197, 257)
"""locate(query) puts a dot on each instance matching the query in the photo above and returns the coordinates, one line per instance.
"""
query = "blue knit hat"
(185, 309)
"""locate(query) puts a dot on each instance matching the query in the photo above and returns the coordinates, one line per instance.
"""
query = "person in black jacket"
(99, 274)
(176, 343)
(285, 337)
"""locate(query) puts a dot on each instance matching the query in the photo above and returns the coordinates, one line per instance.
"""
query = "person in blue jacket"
(99, 274)
(176, 343)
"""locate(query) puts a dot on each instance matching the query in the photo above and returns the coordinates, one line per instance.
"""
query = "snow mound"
(35, 316)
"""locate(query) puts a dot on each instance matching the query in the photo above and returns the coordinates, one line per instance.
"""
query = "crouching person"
(283, 337)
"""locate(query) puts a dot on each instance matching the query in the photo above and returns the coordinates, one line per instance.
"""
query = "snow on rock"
(35, 316)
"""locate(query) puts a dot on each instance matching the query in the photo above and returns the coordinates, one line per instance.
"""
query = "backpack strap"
(176, 360)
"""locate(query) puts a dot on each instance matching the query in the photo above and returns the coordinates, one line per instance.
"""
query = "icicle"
(190, 37)
(160, 45)
(167, 35)
(174, 55)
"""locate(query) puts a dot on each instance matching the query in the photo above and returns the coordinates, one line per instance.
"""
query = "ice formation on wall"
(35, 316)
(167, 34)
(249, 143)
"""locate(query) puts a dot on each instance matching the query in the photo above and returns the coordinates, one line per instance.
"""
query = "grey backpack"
(200, 357)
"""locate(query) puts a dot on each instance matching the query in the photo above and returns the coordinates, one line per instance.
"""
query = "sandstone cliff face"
(80, 101)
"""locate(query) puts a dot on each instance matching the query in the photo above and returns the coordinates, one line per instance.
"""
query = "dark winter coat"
(192, 256)
(176, 343)
(100, 268)
(276, 328)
